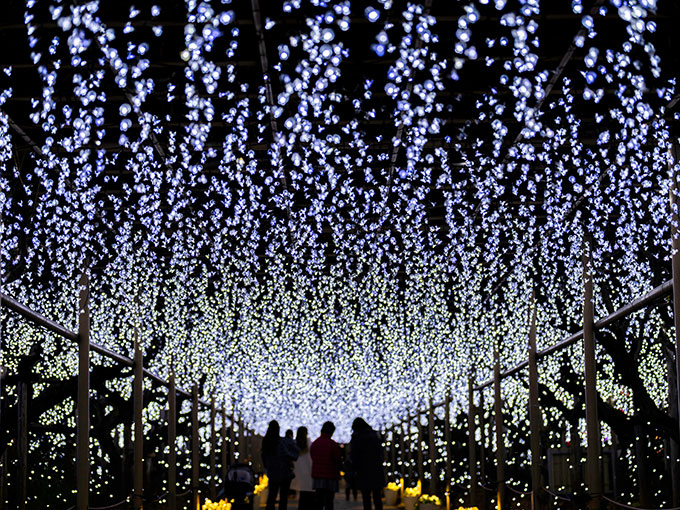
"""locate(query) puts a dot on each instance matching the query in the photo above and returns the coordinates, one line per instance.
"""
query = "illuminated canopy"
(324, 209)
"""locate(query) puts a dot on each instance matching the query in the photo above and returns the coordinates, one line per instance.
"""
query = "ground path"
(340, 503)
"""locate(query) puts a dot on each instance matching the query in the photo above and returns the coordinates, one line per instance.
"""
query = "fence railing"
(237, 434)
(593, 467)
(410, 455)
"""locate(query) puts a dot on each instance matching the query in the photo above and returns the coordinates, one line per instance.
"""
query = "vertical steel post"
(213, 447)
(241, 440)
(225, 452)
(2, 376)
(472, 443)
(249, 441)
(83, 403)
(386, 445)
(3, 458)
(402, 451)
(672, 447)
(195, 497)
(409, 448)
(172, 443)
(675, 264)
(593, 479)
(434, 477)
(534, 417)
(482, 443)
(393, 451)
(3, 463)
(232, 438)
(420, 466)
(500, 444)
(22, 441)
(138, 406)
(447, 436)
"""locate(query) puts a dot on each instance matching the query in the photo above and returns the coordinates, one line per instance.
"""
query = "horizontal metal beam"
(60, 330)
(36, 318)
(632, 307)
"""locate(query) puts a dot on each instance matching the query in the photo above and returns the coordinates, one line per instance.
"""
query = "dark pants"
(351, 489)
(307, 500)
(366, 497)
(324, 499)
(282, 489)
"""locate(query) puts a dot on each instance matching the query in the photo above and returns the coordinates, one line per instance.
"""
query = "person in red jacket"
(326, 460)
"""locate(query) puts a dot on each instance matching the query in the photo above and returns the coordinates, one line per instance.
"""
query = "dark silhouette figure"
(350, 483)
(366, 454)
(277, 457)
(326, 461)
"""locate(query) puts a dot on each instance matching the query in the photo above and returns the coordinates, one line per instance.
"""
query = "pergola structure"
(321, 209)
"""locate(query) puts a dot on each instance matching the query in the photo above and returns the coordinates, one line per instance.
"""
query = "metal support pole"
(675, 263)
(83, 402)
(500, 445)
(393, 451)
(593, 479)
(479, 412)
(172, 442)
(22, 441)
(472, 443)
(434, 476)
(409, 449)
(241, 440)
(225, 452)
(232, 439)
(672, 447)
(534, 418)
(138, 406)
(213, 447)
(249, 442)
(402, 456)
(195, 497)
(420, 449)
(3, 458)
(447, 436)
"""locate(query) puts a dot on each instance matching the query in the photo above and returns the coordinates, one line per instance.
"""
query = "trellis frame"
(587, 334)
(85, 347)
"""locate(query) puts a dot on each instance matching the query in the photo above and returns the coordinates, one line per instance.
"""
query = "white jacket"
(303, 472)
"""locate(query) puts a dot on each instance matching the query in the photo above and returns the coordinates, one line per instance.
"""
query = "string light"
(313, 284)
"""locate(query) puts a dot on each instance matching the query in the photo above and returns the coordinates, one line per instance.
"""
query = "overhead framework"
(325, 209)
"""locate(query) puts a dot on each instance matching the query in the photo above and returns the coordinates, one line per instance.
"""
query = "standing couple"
(315, 469)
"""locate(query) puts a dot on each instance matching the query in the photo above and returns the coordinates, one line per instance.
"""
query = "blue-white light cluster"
(265, 234)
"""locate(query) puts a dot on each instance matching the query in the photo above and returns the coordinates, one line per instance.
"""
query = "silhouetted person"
(303, 472)
(367, 456)
(350, 483)
(289, 446)
(326, 460)
(277, 457)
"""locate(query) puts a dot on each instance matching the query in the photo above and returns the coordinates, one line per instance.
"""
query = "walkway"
(340, 503)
